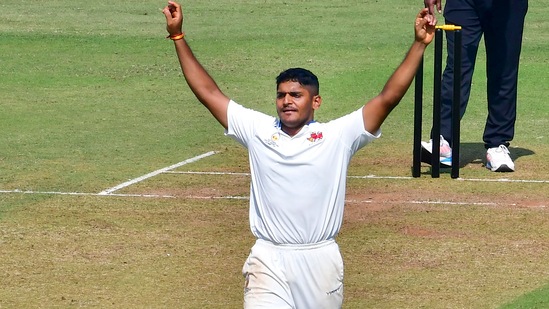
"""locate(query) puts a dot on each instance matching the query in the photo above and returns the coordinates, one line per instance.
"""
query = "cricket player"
(298, 172)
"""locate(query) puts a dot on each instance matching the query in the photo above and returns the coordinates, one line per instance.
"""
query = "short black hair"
(304, 77)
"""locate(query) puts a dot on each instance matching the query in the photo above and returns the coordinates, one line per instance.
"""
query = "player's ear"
(317, 101)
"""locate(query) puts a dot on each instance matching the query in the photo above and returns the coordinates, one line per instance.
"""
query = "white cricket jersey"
(297, 191)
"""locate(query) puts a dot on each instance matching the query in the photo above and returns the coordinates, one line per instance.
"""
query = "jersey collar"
(278, 123)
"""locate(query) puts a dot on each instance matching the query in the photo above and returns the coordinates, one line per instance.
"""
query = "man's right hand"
(174, 18)
(431, 5)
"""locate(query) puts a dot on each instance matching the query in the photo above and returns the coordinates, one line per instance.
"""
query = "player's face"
(295, 106)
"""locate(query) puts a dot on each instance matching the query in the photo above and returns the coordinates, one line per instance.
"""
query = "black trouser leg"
(503, 27)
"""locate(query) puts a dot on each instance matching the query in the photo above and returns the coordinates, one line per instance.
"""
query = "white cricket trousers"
(293, 276)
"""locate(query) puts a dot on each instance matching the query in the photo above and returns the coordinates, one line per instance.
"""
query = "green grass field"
(92, 97)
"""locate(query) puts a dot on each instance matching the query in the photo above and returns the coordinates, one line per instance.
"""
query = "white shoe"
(445, 152)
(499, 160)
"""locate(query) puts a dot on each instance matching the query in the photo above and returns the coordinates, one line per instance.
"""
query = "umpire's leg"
(503, 25)
(462, 13)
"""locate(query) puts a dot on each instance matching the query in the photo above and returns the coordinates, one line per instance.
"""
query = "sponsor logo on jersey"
(273, 141)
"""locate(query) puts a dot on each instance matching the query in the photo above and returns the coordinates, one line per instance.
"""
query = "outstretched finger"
(431, 8)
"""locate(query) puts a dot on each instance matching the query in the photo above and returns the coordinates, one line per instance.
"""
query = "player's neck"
(291, 131)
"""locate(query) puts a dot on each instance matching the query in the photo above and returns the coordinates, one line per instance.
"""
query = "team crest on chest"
(315, 136)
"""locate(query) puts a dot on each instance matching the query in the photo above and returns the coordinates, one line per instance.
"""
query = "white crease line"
(462, 203)
(232, 197)
(84, 194)
(45, 192)
(505, 180)
(359, 201)
(429, 202)
(380, 177)
(138, 195)
(248, 174)
(228, 197)
(208, 173)
(152, 174)
(374, 177)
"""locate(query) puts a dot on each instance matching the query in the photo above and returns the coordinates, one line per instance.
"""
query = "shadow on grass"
(475, 154)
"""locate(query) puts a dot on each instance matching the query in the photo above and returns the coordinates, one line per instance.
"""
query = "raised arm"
(378, 108)
(201, 83)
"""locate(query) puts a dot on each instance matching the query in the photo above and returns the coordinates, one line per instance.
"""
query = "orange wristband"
(176, 36)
